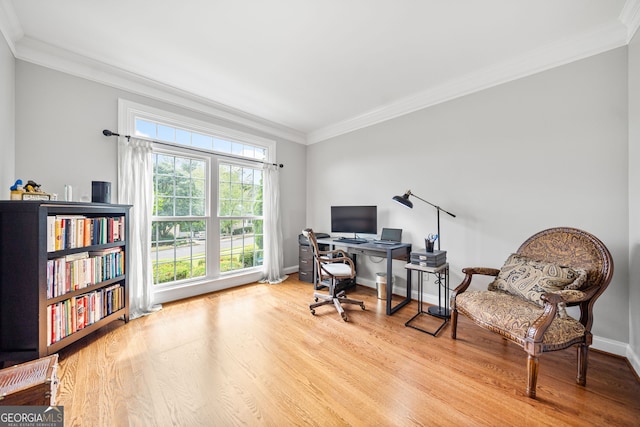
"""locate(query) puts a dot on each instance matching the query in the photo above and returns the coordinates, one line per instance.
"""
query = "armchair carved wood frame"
(537, 329)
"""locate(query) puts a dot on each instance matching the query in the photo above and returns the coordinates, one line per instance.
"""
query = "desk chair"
(335, 266)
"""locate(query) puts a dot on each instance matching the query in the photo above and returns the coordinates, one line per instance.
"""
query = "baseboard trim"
(634, 361)
(610, 346)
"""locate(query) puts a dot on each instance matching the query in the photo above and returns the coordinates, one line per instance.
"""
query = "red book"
(80, 308)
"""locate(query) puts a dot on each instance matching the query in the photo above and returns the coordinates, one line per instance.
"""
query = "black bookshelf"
(25, 324)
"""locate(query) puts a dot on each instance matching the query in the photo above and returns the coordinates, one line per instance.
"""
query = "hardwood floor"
(255, 356)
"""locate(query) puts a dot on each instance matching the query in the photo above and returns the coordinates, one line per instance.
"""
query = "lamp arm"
(429, 203)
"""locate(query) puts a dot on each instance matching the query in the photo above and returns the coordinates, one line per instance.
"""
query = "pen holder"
(429, 245)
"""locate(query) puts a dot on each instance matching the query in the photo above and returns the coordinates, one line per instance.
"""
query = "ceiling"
(312, 69)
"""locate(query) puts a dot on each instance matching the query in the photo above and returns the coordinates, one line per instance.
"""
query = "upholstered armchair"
(526, 302)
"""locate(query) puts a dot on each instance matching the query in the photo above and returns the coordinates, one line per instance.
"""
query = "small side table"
(441, 311)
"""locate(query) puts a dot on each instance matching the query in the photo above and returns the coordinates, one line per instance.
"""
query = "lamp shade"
(404, 200)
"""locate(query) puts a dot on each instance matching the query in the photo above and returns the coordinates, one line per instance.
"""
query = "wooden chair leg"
(454, 323)
(583, 358)
(532, 375)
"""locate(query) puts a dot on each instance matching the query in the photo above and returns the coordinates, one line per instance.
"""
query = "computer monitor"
(354, 219)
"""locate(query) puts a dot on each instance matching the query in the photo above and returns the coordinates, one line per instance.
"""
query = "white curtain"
(135, 187)
(273, 250)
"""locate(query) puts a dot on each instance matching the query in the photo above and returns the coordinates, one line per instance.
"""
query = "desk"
(390, 252)
(441, 274)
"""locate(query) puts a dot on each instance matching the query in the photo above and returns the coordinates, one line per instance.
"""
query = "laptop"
(390, 236)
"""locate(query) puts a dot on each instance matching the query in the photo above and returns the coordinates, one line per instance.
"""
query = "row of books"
(76, 231)
(71, 315)
(77, 271)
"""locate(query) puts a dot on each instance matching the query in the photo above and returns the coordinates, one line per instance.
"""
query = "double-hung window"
(207, 196)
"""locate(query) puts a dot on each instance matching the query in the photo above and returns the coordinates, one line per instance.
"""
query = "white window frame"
(128, 111)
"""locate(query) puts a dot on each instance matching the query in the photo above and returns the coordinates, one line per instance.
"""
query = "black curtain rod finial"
(107, 132)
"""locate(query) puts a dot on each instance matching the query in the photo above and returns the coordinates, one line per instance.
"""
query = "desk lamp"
(404, 201)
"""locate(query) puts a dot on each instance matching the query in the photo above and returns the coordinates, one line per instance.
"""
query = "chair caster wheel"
(316, 299)
(344, 317)
(362, 306)
(313, 312)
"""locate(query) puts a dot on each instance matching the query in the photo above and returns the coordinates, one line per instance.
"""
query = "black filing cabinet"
(306, 265)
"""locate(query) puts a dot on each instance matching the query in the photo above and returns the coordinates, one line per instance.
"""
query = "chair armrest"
(541, 324)
(485, 271)
(341, 259)
(333, 252)
(469, 273)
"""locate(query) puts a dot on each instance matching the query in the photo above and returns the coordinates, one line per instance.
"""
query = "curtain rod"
(107, 132)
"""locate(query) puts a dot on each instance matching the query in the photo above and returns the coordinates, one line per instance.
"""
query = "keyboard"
(353, 241)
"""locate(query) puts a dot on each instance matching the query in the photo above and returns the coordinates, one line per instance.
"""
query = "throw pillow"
(530, 279)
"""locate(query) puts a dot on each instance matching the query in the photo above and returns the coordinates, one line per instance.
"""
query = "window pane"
(236, 191)
(241, 240)
(236, 174)
(166, 133)
(145, 128)
(197, 170)
(247, 176)
(202, 141)
(257, 210)
(164, 206)
(164, 185)
(261, 153)
(183, 137)
(198, 207)
(183, 167)
(183, 187)
(178, 250)
(221, 145)
(177, 181)
(163, 132)
(183, 206)
(247, 208)
(236, 148)
(241, 244)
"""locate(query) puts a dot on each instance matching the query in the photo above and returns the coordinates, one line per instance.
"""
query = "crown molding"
(553, 55)
(559, 53)
(46, 55)
(630, 16)
(10, 25)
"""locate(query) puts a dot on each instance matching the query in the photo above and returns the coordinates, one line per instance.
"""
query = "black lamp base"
(439, 312)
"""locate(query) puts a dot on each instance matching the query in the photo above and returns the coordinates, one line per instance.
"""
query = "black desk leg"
(407, 300)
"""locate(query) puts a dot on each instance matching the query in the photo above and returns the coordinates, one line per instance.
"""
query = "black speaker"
(100, 192)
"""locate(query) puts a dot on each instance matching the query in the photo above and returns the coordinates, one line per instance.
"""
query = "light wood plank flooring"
(255, 356)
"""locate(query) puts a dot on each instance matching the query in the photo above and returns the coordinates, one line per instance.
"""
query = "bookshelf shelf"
(45, 285)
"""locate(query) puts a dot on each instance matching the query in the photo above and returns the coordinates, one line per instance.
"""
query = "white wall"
(543, 151)
(7, 119)
(634, 201)
(59, 123)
